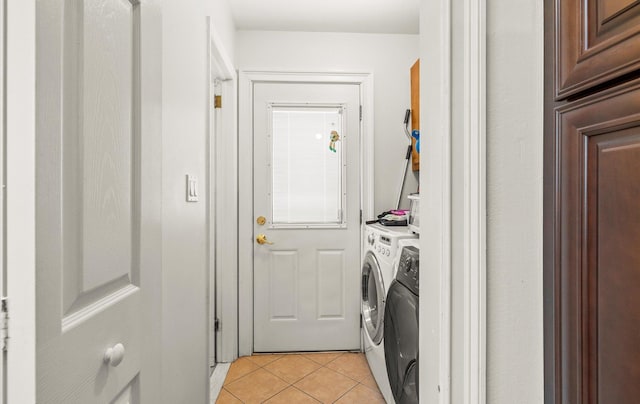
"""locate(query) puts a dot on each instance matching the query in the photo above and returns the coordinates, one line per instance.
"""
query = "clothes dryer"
(381, 246)
(401, 325)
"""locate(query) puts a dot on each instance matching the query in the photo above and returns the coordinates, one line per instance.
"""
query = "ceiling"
(366, 16)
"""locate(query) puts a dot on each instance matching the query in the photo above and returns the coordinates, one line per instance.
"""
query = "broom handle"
(404, 175)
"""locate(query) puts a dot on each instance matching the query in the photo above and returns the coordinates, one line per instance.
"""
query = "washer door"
(372, 298)
(401, 343)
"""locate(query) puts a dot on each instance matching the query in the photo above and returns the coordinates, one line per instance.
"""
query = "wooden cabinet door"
(596, 41)
(415, 113)
(597, 248)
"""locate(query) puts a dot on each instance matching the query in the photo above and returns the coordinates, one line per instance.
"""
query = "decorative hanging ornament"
(334, 137)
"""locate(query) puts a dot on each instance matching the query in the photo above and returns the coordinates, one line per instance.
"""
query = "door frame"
(440, 105)
(222, 197)
(20, 177)
(245, 174)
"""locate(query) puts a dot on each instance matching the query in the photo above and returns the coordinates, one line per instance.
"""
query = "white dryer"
(381, 247)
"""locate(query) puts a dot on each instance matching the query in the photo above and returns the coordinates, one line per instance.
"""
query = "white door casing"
(3, 269)
(441, 107)
(20, 155)
(306, 285)
(247, 79)
(223, 202)
(98, 210)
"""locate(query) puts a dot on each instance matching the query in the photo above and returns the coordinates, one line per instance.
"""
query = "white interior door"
(98, 201)
(306, 284)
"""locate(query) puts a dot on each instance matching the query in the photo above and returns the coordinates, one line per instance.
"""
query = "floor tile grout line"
(345, 375)
(307, 376)
(270, 397)
(377, 390)
(290, 383)
(306, 394)
(346, 392)
(239, 378)
(234, 396)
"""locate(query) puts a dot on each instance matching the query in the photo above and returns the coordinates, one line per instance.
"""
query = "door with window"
(306, 216)
(98, 235)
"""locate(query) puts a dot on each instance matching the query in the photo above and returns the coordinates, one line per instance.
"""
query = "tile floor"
(331, 377)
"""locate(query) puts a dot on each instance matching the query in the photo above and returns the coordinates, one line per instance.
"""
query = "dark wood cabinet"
(592, 202)
(596, 41)
(597, 248)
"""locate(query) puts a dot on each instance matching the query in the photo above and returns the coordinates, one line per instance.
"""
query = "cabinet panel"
(595, 41)
(597, 272)
(415, 113)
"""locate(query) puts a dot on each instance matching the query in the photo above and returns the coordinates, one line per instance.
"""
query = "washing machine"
(401, 325)
(381, 246)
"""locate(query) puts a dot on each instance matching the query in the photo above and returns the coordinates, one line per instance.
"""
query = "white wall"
(388, 57)
(220, 13)
(185, 93)
(514, 201)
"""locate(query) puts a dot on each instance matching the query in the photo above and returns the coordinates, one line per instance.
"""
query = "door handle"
(262, 239)
(113, 356)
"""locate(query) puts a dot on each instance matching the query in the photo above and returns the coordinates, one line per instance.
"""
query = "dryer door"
(401, 343)
(372, 298)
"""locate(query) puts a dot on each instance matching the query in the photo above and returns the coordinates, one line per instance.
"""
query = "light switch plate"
(192, 188)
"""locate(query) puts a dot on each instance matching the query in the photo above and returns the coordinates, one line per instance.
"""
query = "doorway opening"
(222, 211)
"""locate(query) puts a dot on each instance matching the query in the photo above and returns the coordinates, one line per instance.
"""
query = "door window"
(307, 166)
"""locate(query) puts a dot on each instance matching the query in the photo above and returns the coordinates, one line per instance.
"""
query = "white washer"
(381, 247)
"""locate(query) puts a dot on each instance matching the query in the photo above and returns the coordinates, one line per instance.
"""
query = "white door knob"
(113, 356)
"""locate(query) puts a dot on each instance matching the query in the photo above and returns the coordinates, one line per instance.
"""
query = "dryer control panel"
(409, 269)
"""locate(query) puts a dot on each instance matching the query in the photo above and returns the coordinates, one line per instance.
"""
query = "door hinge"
(216, 325)
(217, 101)
(360, 320)
(360, 112)
(4, 323)
(360, 216)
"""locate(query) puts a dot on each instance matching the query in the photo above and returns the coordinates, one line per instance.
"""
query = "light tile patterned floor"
(331, 377)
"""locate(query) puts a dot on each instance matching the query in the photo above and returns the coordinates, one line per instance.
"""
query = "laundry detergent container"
(414, 213)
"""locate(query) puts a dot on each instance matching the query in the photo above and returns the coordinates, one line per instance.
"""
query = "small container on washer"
(414, 213)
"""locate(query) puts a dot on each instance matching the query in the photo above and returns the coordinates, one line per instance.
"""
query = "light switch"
(192, 188)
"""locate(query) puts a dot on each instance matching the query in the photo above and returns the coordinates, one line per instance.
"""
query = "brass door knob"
(262, 239)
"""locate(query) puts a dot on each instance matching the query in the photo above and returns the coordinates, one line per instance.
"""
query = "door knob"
(262, 239)
(114, 355)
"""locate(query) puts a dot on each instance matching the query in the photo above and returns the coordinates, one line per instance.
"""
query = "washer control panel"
(409, 268)
(381, 244)
(384, 242)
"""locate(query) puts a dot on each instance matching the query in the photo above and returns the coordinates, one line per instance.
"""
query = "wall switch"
(192, 188)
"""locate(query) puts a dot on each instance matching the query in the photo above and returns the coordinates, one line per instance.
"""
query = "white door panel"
(98, 196)
(306, 284)
(3, 136)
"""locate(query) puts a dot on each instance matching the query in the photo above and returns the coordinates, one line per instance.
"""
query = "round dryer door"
(372, 298)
